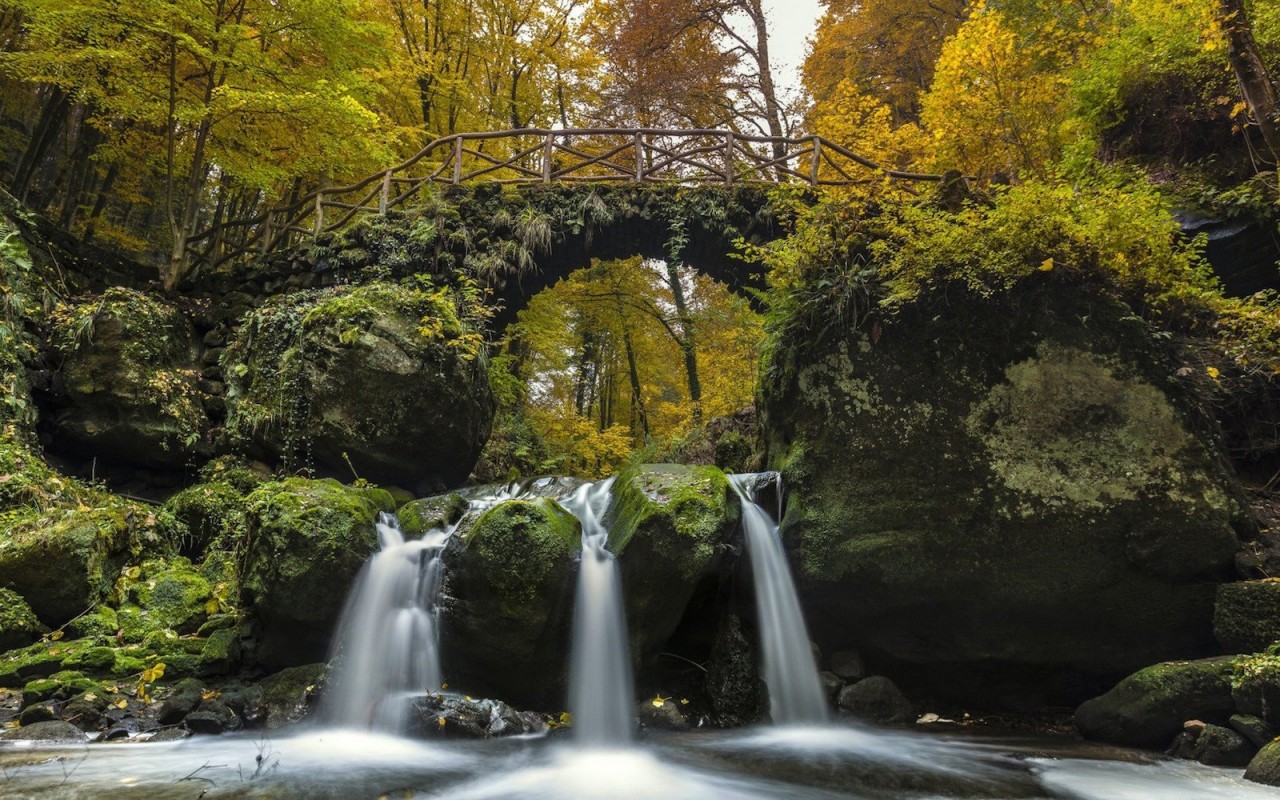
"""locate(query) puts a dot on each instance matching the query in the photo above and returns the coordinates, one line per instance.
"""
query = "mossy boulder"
(172, 593)
(18, 623)
(387, 380)
(213, 514)
(1265, 766)
(1246, 615)
(419, 516)
(1017, 482)
(67, 560)
(307, 541)
(666, 525)
(1147, 708)
(128, 381)
(508, 602)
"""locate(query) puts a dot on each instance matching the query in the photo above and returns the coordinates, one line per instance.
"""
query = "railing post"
(547, 147)
(457, 160)
(319, 223)
(728, 158)
(384, 199)
(817, 159)
(639, 148)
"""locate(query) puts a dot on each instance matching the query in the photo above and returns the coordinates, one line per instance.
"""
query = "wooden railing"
(540, 156)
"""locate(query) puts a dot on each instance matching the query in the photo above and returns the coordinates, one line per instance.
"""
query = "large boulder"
(508, 602)
(128, 382)
(307, 541)
(1148, 708)
(18, 623)
(1014, 482)
(384, 380)
(1246, 615)
(667, 523)
(66, 561)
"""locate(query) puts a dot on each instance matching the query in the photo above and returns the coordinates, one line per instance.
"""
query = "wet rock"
(38, 712)
(831, 686)
(1213, 745)
(419, 516)
(308, 539)
(508, 602)
(87, 711)
(181, 700)
(848, 666)
(286, 695)
(452, 717)
(1265, 766)
(667, 524)
(174, 734)
(52, 731)
(662, 714)
(128, 388)
(732, 684)
(212, 716)
(876, 699)
(1257, 731)
(1148, 708)
(1246, 615)
(1067, 474)
(380, 379)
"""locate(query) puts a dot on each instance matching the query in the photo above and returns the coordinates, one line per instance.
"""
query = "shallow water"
(837, 761)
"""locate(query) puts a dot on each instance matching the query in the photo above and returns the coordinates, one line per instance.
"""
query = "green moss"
(173, 594)
(18, 623)
(308, 539)
(666, 525)
(1246, 615)
(102, 621)
(1148, 708)
(134, 356)
(683, 513)
(520, 545)
(213, 514)
(419, 516)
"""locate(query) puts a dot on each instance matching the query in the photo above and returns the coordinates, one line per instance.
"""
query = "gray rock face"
(50, 731)
(1246, 616)
(1016, 483)
(374, 379)
(128, 384)
(876, 699)
(439, 716)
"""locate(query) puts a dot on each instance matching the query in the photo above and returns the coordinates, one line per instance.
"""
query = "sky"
(791, 23)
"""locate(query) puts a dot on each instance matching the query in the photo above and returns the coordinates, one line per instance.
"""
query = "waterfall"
(601, 693)
(390, 650)
(795, 690)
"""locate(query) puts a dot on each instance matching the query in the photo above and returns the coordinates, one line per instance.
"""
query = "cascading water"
(390, 650)
(601, 692)
(795, 690)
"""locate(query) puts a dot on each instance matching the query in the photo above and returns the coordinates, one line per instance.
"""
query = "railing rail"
(537, 155)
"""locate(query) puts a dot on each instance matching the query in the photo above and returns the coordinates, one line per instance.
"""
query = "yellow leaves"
(149, 675)
(121, 704)
(210, 694)
(1213, 372)
(1046, 265)
(659, 702)
(440, 721)
(53, 636)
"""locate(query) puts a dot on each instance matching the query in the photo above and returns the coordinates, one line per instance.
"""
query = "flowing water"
(389, 647)
(792, 763)
(390, 650)
(795, 690)
(601, 692)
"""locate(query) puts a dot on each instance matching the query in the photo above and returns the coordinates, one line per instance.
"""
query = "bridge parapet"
(542, 156)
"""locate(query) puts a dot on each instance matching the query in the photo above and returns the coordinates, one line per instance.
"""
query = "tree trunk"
(1251, 73)
(688, 342)
(52, 114)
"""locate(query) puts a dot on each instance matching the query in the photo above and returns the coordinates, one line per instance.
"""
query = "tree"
(207, 99)
(885, 49)
(1251, 72)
